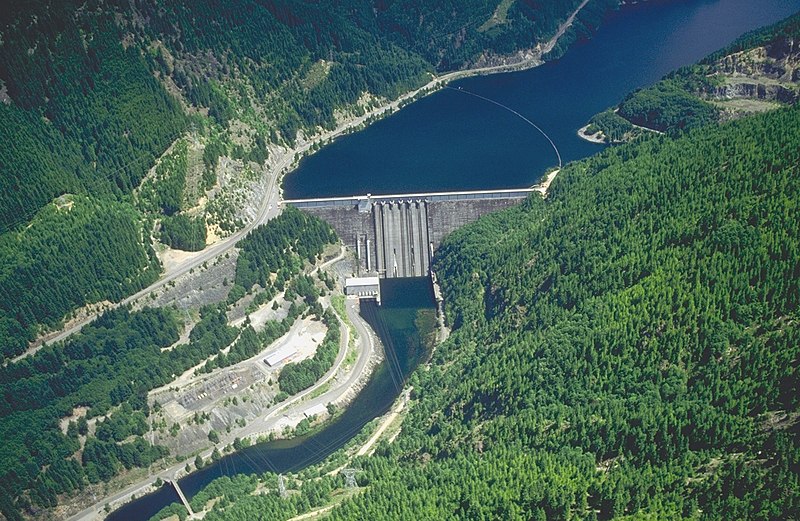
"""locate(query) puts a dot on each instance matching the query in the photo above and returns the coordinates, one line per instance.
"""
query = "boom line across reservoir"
(523, 118)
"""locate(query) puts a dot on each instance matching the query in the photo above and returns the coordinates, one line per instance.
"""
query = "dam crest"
(396, 235)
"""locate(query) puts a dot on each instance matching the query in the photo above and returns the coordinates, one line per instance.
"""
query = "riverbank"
(282, 162)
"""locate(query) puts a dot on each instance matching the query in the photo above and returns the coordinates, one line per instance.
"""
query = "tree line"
(625, 348)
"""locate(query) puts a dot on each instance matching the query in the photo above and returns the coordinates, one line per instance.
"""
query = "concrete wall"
(447, 216)
(352, 227)
(399, 234)
(401, 231)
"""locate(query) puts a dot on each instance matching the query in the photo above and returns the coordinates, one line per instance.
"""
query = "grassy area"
(337, 301)
(316, 73)
(745, 105)
(499, 17)
(322, 389)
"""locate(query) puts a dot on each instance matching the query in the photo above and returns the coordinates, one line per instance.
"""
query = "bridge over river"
(396, 235)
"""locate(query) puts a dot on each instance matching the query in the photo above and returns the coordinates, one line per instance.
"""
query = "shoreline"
(269, 208)
(597, 138)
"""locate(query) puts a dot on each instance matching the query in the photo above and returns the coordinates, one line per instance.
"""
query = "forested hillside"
(757, 72)
(76, 251)
(133, 104)
(629, 345)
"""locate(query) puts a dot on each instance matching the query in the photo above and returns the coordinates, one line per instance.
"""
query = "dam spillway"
(401, 238)
(396, 235)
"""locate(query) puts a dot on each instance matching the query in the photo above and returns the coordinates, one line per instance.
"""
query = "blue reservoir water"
(452, 141)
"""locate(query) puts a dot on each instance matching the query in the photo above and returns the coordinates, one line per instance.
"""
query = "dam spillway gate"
(396, 235)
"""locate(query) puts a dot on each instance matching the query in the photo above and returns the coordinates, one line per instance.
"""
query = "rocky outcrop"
(754, 90)
(780, 60)
(768, 73)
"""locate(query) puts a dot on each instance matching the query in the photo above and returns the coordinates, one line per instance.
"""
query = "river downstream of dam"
(451, 141)
(407, 303)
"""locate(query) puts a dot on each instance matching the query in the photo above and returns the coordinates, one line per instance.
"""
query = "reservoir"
(453, 141)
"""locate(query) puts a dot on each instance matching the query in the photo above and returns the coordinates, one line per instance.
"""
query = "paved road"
(365, 347)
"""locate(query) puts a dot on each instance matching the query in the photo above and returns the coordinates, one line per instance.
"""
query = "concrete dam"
(396, 235)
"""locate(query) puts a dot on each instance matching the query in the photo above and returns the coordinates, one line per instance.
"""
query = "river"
(453, 141)
(404, 324)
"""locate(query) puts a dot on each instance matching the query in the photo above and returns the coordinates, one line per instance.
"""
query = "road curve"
(365, 347)
(269, 207)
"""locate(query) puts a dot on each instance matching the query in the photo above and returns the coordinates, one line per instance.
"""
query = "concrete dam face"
(396, 235)
(402, 241)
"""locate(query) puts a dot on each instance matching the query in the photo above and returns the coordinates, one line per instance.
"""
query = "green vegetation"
(295, 377)
(667, 107)
(92, 94)
(312, 494)
(614, 127)
(89, 110)
(113, 362)
(183, 232)
(620, 348)
(250, 343)
(76, 251)
(163, 193)
(87, 115)
(627, 348)
(277, 249)
(95, 369)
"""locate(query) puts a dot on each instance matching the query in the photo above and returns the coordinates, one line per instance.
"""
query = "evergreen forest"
(93, 96)
(627, 348)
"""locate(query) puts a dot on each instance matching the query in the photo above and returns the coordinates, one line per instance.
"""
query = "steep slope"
(760, 71)
(628, 346)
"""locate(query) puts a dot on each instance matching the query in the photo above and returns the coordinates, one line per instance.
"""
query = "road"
(270, 208)
(365, 348)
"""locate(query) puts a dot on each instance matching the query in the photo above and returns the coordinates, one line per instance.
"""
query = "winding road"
(270, 206)
(365, 346)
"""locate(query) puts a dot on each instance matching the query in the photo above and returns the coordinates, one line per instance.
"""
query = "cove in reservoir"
(452, 141)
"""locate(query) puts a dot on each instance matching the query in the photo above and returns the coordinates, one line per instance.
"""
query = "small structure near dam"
(396, 235)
